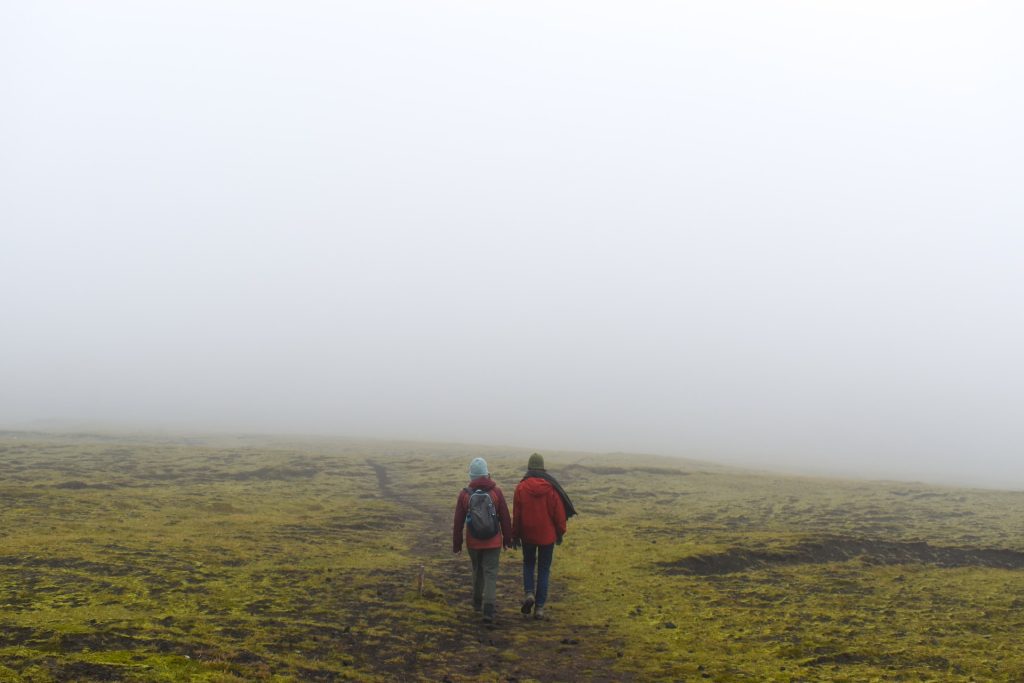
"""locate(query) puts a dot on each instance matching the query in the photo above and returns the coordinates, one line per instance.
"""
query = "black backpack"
(482, 518)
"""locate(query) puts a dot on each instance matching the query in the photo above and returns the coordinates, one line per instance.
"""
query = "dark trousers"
(485, 574)
(537, 557)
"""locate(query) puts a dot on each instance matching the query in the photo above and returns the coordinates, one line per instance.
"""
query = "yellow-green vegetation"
(709, 574)
(145, 558)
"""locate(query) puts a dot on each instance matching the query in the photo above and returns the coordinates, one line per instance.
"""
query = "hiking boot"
(538, 612)
(527, 604)
(488, 614)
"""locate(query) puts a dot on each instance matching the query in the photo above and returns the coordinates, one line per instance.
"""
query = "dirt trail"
(515, 647)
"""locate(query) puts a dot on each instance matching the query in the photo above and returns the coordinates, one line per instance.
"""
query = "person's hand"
(558, 540)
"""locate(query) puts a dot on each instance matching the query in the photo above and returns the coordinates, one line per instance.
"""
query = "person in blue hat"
(482, 512)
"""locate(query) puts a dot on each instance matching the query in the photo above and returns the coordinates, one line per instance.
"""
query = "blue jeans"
(538, 556)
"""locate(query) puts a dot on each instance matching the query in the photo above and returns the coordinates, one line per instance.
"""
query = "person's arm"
(461, 507)
(503, 517)
(557, 514)
(517, 518)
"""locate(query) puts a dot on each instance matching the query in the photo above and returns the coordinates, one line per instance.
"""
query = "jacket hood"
(535, 486)
(484, 483)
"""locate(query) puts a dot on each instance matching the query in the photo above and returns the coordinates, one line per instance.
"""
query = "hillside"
(146, 558)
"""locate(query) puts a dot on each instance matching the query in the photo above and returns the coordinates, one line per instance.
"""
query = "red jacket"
(538, 512)
(502, 538)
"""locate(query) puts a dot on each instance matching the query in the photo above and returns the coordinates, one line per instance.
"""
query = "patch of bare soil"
(604, 469)
(844, 549)
(92, 568)
(889, 660)
(86, 671)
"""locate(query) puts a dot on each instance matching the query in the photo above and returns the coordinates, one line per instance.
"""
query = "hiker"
(482, 510)
(540, 508)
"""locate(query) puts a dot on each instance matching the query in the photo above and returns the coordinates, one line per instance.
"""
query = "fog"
(785, 234)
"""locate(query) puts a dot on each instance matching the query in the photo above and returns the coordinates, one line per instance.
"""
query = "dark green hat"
(536, 462)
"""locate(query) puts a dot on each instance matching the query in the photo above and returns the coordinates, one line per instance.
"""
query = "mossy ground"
(138, 558)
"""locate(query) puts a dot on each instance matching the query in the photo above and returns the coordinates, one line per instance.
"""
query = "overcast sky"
(781, 233)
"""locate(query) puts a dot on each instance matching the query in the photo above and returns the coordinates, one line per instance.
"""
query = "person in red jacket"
(540, 508)
(483, 552)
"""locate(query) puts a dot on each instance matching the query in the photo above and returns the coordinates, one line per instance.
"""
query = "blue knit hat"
(478, 468)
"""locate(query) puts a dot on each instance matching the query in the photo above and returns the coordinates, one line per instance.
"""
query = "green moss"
(236, 560)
